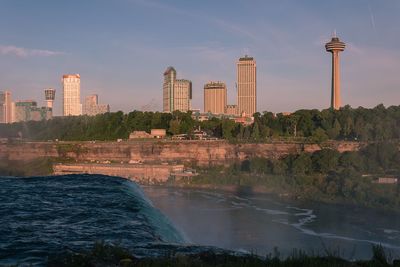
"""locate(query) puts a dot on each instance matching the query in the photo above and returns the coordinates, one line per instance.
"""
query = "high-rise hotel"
(6, 107)
(92, 107)
(177, 94)
(246, 86)
(215, 97)
(71, 84)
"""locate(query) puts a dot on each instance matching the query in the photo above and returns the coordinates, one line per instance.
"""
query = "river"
(258, 223)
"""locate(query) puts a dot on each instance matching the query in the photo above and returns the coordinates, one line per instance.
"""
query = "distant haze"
(121, 49)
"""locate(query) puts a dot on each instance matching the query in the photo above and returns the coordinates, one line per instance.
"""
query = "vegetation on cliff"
(376, 124)
(108, 255)
(324, 175)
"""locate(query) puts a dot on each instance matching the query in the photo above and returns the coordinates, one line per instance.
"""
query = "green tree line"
(376, 124)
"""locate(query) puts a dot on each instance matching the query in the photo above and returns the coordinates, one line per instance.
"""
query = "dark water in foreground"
(258, 223)
(44, 216)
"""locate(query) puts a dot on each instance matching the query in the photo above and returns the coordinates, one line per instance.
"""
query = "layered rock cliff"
(201, 153)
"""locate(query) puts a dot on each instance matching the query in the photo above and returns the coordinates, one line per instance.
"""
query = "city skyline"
(118, 56)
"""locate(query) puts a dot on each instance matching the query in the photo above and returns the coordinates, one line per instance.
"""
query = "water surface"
(258, 223)
(43, 216)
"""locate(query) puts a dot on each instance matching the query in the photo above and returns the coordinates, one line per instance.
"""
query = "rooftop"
(169, 69)
(246, 58)
(213, 85)
(71, 76)
(183, 80)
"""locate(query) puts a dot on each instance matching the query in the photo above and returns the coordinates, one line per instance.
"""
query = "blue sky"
(122, 47)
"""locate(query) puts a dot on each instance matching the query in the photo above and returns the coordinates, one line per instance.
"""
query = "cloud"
(26, 52)
(372, 17)
(236, 29)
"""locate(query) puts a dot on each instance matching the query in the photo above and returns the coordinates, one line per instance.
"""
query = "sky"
(122, 47)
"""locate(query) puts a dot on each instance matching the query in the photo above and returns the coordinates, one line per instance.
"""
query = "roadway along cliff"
(201, 153)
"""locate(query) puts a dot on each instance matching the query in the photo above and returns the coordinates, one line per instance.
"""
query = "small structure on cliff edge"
(139, 135)
(155, 133)
(158, 133)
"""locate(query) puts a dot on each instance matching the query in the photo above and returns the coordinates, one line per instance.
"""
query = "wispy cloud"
(372, 17)
(236, 29)
(27, 52)
(224, 25)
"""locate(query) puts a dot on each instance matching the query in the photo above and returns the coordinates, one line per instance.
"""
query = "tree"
(325, 160)
(245, 166)
(351, 160)
(302, 164)
(347, 129)
(227, 128)
(247, 133)
(174, 126)
(239, 131)
(278, 167)
(334, 132)
(319, 136)
(255, 135)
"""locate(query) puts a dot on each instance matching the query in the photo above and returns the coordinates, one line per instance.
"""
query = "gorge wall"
(201, 153)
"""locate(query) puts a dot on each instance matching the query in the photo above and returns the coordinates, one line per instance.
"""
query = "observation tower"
(335, 46)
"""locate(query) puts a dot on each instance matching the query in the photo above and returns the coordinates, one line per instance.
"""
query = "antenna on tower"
(334, 33)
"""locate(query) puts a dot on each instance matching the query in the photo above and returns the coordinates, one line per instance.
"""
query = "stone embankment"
(140, 173)
(199, 153)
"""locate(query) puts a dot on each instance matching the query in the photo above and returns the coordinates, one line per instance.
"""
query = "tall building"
(6, 107)
(177, 94)
(335, 46)
(50, 95)
(91, 100)
(23, 109)
(27, 110)
(215, 97)
(71, 84)
(92, 107)
(247, 86)
(168, 89)
(182, 95)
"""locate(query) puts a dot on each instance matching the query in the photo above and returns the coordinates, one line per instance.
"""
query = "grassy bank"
(107, 255)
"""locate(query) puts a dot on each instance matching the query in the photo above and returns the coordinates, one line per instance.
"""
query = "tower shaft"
(335, 94)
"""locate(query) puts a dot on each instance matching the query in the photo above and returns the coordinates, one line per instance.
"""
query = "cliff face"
(202, 153)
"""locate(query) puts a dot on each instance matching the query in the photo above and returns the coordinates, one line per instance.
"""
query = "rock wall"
(140, 173)
(202, 153)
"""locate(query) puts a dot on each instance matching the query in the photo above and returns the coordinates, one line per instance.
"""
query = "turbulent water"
(43, 216)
